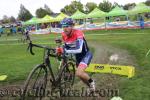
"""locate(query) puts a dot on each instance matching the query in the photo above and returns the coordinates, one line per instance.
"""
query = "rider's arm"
(77, 47)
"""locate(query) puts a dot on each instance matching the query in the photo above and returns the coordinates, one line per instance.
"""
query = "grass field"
(16, 62)
(137, 44)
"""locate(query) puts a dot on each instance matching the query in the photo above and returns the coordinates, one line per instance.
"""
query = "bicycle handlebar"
(31, 45)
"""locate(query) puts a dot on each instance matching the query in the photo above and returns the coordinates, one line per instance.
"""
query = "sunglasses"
(66, 26)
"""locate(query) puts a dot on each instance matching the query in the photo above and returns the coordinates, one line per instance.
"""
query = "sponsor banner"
(114, 69)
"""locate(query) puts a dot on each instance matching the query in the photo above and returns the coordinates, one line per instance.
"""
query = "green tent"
(47, 19)
(78, 15)
(139, 8)
(60, 17)
(96, 13)
(33, 20)
(117, 11)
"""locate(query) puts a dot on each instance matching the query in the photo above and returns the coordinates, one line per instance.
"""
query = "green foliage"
(5, 19)
(40, 13)
(90, 6)
(116, 4)
(67, 10)
(147, 2)
(12, 19)
(24, 14)
(50, 12)
(129, 6)
(70, 9)
(105, 6)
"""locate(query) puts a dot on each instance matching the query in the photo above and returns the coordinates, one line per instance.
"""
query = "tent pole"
(85, 24)
(50, 27)
(137, 17)
(35, 27)
(105, 23)
(127, 19)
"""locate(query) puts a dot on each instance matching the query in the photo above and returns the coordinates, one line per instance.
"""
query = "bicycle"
(38, 77)
(24, 37)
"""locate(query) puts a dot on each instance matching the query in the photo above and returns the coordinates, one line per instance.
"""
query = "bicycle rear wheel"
(35, 85)
(67, 76)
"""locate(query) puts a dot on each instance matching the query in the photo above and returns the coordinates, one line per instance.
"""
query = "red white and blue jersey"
(76, 44)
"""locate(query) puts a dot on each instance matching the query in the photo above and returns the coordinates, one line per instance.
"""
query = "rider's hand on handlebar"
(59, 51)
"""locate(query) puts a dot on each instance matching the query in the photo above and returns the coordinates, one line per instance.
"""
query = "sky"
(12, 7)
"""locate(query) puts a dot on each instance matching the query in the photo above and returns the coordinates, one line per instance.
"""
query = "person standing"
(141, 22)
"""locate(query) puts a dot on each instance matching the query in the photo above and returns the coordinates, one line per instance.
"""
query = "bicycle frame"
(54, 80)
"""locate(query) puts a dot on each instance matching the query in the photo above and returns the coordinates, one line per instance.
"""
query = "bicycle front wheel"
(67, 76)
(35, 85)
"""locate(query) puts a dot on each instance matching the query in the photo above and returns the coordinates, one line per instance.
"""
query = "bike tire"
(67, 76)
(39, 84)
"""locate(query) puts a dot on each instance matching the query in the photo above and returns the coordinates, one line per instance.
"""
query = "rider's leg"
(81, 71)
(85, 77)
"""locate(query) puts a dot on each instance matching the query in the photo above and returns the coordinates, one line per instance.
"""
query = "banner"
(113, 69)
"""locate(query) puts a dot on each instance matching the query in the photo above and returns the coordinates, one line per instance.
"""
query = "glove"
(59, 51)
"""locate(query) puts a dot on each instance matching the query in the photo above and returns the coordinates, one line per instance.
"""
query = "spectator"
(14, 29)
(11, 29)
(141, 22)
(91, 21)
(1, 31)
(117, 19)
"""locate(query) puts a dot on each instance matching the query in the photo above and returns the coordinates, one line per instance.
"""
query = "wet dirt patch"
(106, 54)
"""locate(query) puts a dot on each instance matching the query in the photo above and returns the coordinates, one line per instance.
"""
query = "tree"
(105, 6)
(147, 2)
(40, 13)
(77, 5)
(90, 6)
(50, 12)
(24, 14)
(70, 9)
(12, 19)
(67, 10)
(116, 4)
(129, 6)
(5, 19)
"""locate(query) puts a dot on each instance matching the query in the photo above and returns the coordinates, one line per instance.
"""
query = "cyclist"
(26, 35)
(75, 43)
